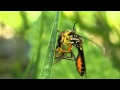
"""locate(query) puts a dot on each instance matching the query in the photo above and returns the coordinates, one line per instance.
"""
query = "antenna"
(92, 42)
(88, 39)
(74, 26)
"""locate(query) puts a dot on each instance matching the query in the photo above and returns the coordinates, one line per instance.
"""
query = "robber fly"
(70, 38)
(74, 40)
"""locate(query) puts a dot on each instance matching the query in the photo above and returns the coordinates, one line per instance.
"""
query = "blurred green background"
(24, 46)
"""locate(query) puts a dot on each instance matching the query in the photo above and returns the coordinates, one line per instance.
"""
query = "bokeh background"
(24, 39)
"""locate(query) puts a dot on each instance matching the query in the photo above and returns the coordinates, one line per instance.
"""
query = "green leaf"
(47, 66)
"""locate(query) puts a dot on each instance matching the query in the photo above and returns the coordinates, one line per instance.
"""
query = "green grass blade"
(47, 66)
(25, 25)
(38, 55)
(26, 73)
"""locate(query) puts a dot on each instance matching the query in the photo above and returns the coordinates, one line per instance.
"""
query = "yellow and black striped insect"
(64, 45)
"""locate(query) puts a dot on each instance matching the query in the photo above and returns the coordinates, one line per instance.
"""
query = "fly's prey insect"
(63, 42)
(63, 46)
(66, 40)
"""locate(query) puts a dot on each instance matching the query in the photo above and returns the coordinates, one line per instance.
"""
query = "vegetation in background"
(34, 32)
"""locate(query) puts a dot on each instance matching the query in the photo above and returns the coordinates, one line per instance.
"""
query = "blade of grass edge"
(47, 66)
